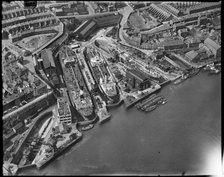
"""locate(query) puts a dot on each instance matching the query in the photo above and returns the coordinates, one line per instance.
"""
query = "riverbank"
(188, 126)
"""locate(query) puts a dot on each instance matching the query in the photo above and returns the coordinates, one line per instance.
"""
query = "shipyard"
(67, 66)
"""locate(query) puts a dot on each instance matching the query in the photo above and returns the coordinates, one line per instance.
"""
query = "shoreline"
(129, 105)
(61, 152)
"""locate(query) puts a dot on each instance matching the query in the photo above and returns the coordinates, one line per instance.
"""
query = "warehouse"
(213, 46)
(173, 44)
(171, 9)
(86, 29)
(160, 12)
(203, 7)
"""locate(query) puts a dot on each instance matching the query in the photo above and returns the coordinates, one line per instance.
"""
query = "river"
(182, 136)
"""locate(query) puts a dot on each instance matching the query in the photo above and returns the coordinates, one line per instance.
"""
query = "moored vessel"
(151, 108)
(101, 73)
(78, 92)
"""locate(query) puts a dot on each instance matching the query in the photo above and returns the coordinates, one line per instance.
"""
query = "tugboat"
(101, 73)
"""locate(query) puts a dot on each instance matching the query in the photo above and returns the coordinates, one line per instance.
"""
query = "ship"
(151, 108)
(78, 92)
(102, 74)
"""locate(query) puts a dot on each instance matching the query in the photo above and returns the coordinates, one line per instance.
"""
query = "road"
(90, 8)
(81, 17)
(26, 105)
(126, 12)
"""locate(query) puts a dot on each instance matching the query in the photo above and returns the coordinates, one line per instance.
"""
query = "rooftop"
(191, 54)
(203, 5)
(63, 107)
(90, 24)
(161, 10)
(47, 57)
(137, 74)
(212, 44)
(171, 43)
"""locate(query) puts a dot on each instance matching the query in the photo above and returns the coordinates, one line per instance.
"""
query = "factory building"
(203, 7)
(63, 111)
(213, 46)
(173, 44)
(86, 29)
(158, 11)
(108, 20)
(138, 79)
(47, 57)
(90, 26)
(171, 9)
(191, 55)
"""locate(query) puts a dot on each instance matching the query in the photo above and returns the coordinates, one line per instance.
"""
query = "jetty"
(141, 97)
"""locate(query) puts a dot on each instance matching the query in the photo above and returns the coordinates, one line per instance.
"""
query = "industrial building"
(137, 79)
(203, 7)
(173, 44)
(191, 55)
(47, 57)
(171, 9)
(213, 46)
(161, 13)
(63, 111)
(88, 27)
(85, 29)
(108, 20)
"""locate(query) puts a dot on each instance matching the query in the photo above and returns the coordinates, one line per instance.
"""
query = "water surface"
(183, 135)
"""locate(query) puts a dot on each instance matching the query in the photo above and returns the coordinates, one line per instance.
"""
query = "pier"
(146, 95)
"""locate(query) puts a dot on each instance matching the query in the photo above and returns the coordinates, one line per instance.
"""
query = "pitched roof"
(191, 54)
(47, 57)
(212, 44)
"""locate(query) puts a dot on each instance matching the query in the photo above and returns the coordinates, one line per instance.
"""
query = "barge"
(151, 108)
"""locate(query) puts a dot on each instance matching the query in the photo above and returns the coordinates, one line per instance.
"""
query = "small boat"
(87, 127)
(164, 102)
(178, 81)
(218, 64)
(215, 71)
(207, 68)
(151, 108)
(139, 105)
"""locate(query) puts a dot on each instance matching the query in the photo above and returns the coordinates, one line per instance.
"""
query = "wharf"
(146, 95)
(59, 152)
(168, 81)
(103, 116)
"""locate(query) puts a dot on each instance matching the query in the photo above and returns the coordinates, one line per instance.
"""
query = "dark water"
(183, 135)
